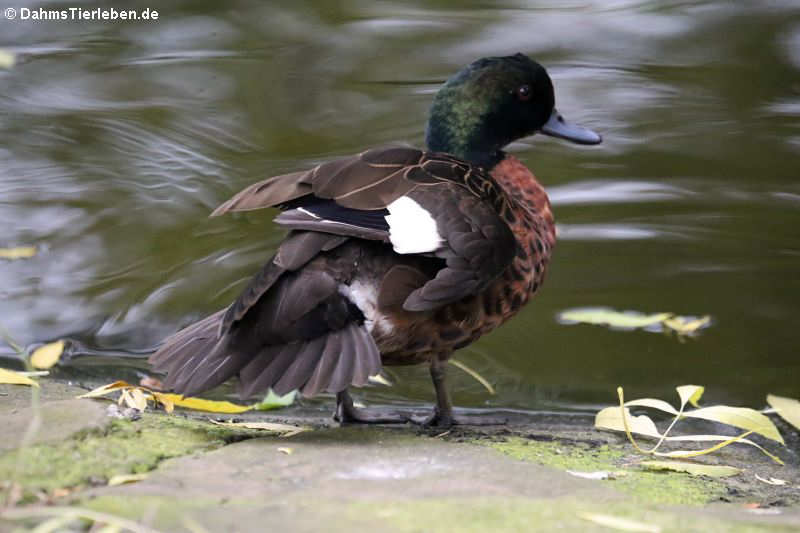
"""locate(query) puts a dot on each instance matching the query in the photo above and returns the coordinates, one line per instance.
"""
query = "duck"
(394, 256)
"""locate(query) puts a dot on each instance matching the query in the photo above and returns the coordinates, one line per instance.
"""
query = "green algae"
(499, 515)
(124, 447)
(674, 488)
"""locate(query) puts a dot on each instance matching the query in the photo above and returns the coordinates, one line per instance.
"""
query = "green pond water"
(118, 138)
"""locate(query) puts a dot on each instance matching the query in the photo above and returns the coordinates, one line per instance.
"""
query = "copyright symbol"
(10, 13)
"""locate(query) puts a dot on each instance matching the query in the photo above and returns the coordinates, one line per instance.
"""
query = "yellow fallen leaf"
(740, 417)
(690, 394)
(694, 469)
(9, 377)
(199, 404)
(48, 355)
(772, 481)
(286, 451)
(139, 399)
(604, 316)
(787, 408)
(287, 430)
(20, 252)
(7, 59)
(687, 326)
(126, 478)
(105, 389)
(620, 524)
(612, 418)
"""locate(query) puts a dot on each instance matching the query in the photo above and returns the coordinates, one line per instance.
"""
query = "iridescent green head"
(492, 102)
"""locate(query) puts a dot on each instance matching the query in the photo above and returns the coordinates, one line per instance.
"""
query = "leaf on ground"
(20, 252)
(273, 401)
(772, 481)
(598, 475)
(480, 379)
(199, 404)
(620, 524)
(105, 389)
(604, 316)
(694, 469)
(126, 478)
(690, 394)
(740, 417)
(787, 408)
(46, 356)
(9, 377)
(286, 430)
(611, 418)
(7, 59)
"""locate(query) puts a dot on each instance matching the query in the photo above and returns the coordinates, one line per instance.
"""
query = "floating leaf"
(687, 325)
(286, 451)
(604, 316)
(20, 252)
(287, 430)
(126, 478)
(7, 59)
(772, 481)
(9, 377)
(199, 404)
(273, 401)
(692, 468)
(48, 355)
(620, 524)
(787, 408)
(480, 379)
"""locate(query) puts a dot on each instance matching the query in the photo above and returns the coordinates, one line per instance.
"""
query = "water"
(117, 140)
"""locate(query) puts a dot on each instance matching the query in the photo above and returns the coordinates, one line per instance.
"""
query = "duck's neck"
(461, 136)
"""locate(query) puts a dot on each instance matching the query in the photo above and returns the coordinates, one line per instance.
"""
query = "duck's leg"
(347, 413)
(443, 416)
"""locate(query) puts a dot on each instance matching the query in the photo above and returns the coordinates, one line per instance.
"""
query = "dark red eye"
(524, 93)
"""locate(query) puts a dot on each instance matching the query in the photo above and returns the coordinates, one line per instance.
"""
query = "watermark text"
(77, 14)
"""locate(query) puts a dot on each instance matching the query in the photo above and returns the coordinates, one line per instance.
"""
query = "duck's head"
(492, 102)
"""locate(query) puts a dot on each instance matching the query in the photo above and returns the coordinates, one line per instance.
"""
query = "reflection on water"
(116, 140)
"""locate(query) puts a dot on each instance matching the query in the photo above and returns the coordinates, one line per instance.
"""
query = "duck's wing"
(421, 202)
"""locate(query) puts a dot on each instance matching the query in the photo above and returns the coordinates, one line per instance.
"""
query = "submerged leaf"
(480, 379)
(46, 356)
(787, 408)
(9, 377)
(692, 468)
(380, 379)
(620, 524)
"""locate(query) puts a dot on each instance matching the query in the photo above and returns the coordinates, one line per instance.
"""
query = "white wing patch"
(412, 230)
